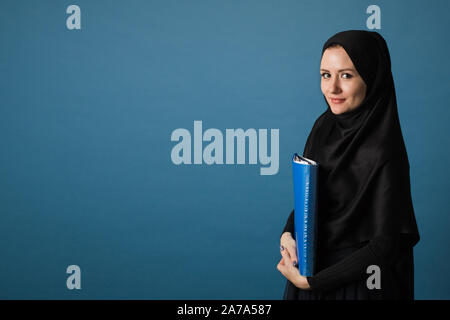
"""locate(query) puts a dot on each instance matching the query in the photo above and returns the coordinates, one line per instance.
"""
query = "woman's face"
(341, 84)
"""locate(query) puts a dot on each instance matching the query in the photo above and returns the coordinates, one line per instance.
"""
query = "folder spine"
(305, 189)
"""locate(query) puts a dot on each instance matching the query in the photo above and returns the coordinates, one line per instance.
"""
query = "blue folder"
(305, 212)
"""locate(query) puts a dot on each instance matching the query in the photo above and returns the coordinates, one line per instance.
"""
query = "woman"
(365, 212)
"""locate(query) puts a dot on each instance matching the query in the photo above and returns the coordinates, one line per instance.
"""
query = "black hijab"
(364, 183)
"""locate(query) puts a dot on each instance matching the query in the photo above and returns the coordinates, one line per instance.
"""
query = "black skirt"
(397, 280)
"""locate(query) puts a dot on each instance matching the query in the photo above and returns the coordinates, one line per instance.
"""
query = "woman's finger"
(285, 256)
(286, 249)
(291, 248)
(293, 254)
(281, 266)
(288, 257)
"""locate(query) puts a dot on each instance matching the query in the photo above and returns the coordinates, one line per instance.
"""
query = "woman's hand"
(287, 265)
(289, 244)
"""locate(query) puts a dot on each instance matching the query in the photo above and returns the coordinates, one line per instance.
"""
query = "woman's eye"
(326, 75)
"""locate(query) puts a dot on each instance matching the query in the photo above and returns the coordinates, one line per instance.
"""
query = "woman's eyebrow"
(350, 69)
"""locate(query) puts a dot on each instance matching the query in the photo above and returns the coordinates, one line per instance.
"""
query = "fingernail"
(281, 248)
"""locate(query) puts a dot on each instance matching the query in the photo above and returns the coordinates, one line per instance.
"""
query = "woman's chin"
(337, 109)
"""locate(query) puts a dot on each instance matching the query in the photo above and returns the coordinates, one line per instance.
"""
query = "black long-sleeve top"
(381, 250)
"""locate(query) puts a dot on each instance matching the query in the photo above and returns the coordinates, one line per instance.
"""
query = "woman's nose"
(335, 86)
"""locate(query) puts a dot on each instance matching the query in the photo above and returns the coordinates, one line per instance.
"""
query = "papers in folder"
(305, 212)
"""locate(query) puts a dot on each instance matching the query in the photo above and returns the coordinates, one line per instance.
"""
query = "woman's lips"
(337, 100)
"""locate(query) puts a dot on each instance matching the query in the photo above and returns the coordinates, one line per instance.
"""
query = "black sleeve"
(381, 250)
(289, 227)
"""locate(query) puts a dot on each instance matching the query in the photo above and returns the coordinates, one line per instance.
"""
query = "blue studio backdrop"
(96, 95)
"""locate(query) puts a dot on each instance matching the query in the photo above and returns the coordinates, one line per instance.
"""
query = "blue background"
(86, 117)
